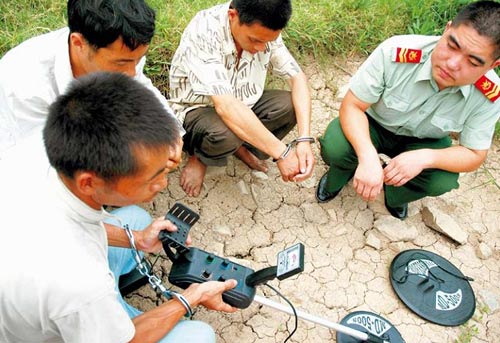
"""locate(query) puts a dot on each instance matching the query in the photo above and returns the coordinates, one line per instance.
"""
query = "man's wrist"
(284, 154)
(428, 158)
(304, 139)
(184, 302)
(192, 294)
(367, 155)
(138, 239)
(292, 144)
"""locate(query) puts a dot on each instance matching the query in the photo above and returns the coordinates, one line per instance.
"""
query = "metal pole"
(314, 319)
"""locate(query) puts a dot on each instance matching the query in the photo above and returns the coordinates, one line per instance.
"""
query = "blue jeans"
(121, 262)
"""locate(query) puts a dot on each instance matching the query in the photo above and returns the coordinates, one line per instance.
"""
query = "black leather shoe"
(400, 212)
(323, 195)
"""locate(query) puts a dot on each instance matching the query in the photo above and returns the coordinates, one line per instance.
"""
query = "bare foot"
(250, 159)
(192, 176)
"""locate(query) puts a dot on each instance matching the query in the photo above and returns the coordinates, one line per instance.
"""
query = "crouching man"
(108, 141)
(405, 100)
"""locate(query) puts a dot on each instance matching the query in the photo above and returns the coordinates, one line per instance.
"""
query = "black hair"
(484, 17)
(272, 14)
(96, 125)
(102, 22)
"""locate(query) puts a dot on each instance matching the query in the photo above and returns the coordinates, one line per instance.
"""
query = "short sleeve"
(479, 128)
(368, 82)
(282, 62)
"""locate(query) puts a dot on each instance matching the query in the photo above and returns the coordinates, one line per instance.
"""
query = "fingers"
(368, 193)
(230, 284)
(367, 190)
(288, 169)
(393, 176)
(210, 294)
(227, 285)
(160, 224)
(305, 172)
(389, 173)
(224, 307)
(297, 167)
(305, 159)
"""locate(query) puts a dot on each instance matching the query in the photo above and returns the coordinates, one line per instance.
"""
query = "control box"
(192, 265)
(197, 266)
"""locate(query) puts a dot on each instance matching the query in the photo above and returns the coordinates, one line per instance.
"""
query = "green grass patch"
(318, 27)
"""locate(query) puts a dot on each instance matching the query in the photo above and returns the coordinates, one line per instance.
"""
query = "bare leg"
(250, 159)
(192, 176)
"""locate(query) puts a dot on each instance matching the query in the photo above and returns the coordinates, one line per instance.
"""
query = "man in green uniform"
(405, 100)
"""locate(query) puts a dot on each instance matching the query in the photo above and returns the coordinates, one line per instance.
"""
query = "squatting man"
(108, 141)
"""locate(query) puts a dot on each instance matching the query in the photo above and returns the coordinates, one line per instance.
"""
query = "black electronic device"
(133, 280)
(183, 217)
(198, 266)
(290, 261)
(193, 265)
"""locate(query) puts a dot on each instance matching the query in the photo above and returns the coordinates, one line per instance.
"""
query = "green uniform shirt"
(406, 100)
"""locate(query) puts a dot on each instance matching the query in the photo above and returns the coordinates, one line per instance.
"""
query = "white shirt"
(206, 64)
(32, 75)
(55, 284)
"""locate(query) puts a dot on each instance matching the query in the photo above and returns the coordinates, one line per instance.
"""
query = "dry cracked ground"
(349, 244)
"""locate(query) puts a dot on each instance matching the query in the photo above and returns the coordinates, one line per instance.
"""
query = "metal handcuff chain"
(154, 280)
(290, 146)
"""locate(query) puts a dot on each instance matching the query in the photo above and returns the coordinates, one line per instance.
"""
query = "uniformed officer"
(405, 100)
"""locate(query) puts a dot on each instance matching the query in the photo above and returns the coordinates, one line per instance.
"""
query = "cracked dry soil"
(249, 217)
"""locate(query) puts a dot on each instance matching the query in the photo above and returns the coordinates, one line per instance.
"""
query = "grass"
(469, 330)
(341, 28)
(318, 27)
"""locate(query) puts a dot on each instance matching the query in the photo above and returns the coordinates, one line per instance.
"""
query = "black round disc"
(369, 322)
(432, 287)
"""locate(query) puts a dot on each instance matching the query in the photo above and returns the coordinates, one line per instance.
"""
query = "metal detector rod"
(314, 319)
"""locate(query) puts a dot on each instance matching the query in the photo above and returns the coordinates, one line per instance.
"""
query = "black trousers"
(209, 139)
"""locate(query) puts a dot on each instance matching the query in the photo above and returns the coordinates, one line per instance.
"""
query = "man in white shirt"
(217, 81)
(103, 35)
(108, 141)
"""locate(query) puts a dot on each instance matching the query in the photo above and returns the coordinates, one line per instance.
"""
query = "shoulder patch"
(405, 55)
(490, 89)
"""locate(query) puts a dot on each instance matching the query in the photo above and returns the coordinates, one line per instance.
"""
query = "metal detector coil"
(432, 287)
(378, 328)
